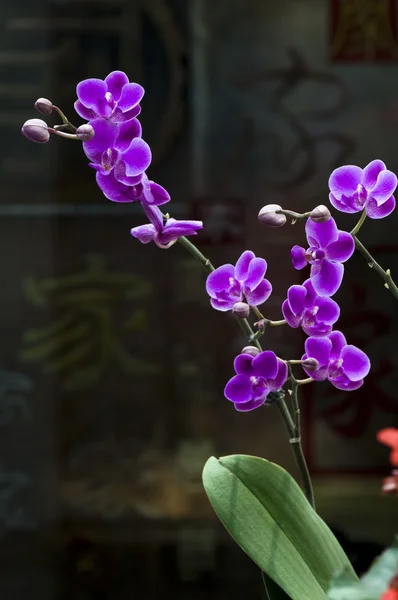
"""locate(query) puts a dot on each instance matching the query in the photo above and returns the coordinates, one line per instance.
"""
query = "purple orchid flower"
(228, 284)
(315, 314)
(164, 234)
(328, 248)
(255, 378)
(145, 191)
(344, 365)
(118, 148)
(114, 98)
(353, 189)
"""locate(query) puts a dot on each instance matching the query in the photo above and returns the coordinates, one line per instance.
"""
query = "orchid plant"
(259, 503)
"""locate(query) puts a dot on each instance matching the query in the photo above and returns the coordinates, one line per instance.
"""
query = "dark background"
(112, 365)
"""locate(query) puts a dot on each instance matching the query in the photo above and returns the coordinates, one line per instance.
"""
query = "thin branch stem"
(293, 215)
(374, 265)
(294, 439)
(359, 224)
(304, 381)
(298, 451)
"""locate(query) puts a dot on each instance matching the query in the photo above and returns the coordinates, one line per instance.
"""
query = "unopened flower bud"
(268, 216)
(320, 214)
(241, 310)
(36, 131)
(310, 364)
(44, 106)
(85, 132)
(252, 350)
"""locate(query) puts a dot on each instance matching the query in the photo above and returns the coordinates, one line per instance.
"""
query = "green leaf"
(267, 514)
(372, 585)
(274, 592)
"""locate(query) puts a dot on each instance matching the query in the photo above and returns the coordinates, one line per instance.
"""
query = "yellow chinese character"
(85, 335)
(364, 30)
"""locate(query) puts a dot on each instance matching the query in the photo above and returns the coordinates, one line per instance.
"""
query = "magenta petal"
(83, 112)
(175, 229)
(144, 233)
(222, 305)
(321, 233)
(243, 264)
(121, 117)
(280, 379)
(299, 259)
(127, 132)
(219, 280)
(238, 389)
(265, 365)
(342, 249)
(132, 94)
(385, 186)
(343, 383)
(159, 194)
(137, 157)
(257, 270)
(319, 374)
(311, 294)
(252, 404)
(296, 295)
(379, 212)
(327, 277)
(104, 138)
(243, 364)
(318, 348)
(356, 364)
(328, 310)
(115, 82)
(342, 205)
(371, 173)
(345, 180)
(154, 215)
(338, 342)
(113, 189)
(291, 319)
(260, 294)
(90, 91)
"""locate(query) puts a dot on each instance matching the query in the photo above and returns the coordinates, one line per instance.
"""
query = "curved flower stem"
(304, 381)
(359, 224)
(385, 275)
(293, 215)
(264, 321)
(64, 118)
(278, 397)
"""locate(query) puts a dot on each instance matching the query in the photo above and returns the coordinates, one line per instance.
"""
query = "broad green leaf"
(267, 514)
(372, 585)
(274, 592)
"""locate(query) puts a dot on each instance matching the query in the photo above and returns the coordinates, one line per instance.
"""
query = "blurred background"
(112, 365)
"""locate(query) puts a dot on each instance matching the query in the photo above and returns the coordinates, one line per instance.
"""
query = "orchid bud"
(320, 214)
(44, 106)
(85, 132)
(252, 350)
(268, 216)
(36, 131)
(241, 310)
(310, 364)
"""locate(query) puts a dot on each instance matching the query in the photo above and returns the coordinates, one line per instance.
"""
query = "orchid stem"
(374, 265)
(295, 442)
(359, 224)
(293, 215)
(277, 396)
